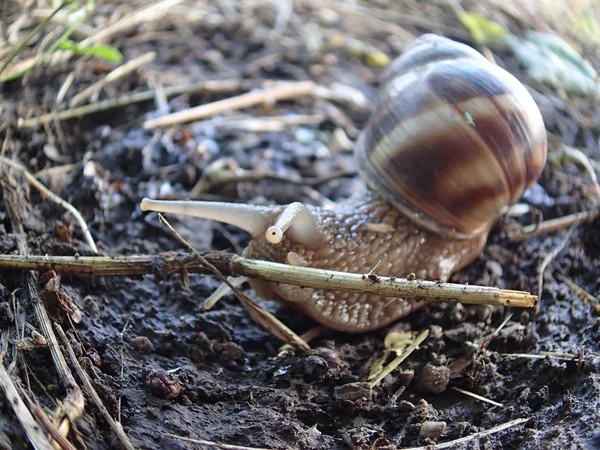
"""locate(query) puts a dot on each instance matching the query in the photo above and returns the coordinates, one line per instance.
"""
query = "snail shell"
(454, 138)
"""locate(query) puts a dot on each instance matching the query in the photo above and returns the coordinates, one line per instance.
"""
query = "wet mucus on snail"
(452, 141)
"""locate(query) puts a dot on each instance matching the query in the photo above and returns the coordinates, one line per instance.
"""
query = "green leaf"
(105, 52)
(482, 30)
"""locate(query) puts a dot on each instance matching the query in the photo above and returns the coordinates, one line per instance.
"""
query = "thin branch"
(91, 392)
(234, 265)
(400, 358)
(477, 396)
(73, 404)
(218, 86)
(55, 198)
(283, 91)
(458, 442)
(116, 74)
(547, 226)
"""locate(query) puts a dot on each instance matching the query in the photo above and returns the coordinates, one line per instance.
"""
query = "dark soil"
(225, 382)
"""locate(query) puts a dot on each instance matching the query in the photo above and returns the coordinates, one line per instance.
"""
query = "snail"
(453, 140)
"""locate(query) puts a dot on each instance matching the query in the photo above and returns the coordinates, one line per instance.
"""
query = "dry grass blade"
(31, 35)
(73, 404)
(55, 198)
(476, 396)
(34, 433)
(91, 392)
(400, 358)
(548, 226)
(285, 91)
(124, 100)
(548, 259)
(234, 265)
(144, 15)
(458, 442)
(62, 441)
(585, 295)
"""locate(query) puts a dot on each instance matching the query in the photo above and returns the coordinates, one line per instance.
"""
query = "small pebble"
(431, 429)
(358, 394)
(305, 135)
(434, 378)
(142, 343)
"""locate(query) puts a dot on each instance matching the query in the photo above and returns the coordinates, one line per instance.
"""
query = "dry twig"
(283, 91)
(124, 100)
(234, 265)
(476, 396)
(551, 225)
(458, 442)
(548, 259)
(33, 431)
(263, 317)
(91, 392)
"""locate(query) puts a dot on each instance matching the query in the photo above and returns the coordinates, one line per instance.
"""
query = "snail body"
(452, 141)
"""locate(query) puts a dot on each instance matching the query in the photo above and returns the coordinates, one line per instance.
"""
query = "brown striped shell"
(453, 138)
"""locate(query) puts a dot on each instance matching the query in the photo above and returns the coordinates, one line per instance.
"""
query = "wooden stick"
(557, 224)
(234, 265)
(400, 358)
(285, 91)
(136, 97)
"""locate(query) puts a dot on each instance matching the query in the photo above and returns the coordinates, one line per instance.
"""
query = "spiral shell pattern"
(453, 139)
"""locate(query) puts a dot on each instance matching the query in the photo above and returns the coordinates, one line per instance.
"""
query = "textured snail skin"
(350, 244)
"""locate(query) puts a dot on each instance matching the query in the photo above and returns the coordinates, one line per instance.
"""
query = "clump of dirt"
(164, 366)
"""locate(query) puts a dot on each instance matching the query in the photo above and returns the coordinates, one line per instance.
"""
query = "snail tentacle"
(251, 218)
(303, 226)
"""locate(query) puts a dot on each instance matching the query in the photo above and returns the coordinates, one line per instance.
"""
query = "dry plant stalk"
(457, 442)
(233, 265)
(136, 97)
(477, 396)
(400, 358)
(547, 226)
(91, 392)
(32, 429)
(284, 91)
(72, 406)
